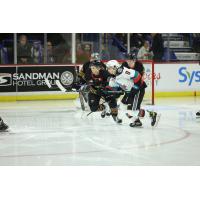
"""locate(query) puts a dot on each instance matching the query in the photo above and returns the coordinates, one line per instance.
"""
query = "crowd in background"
(145, 46)
(31, 49)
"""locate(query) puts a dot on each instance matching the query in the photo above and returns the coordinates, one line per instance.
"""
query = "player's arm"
(113, 83)
(137, 79)
(83, 70)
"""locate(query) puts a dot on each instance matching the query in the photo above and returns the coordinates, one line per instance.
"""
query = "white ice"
(59, 133)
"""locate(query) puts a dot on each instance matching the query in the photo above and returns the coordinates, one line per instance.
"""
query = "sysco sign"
(188, 76)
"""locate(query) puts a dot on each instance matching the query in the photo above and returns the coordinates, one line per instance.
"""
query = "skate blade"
(119, 123)
(198, 119)
(5, 131)
(139, 127)
(157, 120)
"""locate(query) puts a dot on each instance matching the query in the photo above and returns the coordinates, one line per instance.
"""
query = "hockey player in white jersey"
(130, 80)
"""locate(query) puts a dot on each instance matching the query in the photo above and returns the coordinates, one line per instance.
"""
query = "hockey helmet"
(96, 64)
(112, 64)
(95, 56)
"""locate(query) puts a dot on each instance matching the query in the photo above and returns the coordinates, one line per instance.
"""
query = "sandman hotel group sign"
(32, 78)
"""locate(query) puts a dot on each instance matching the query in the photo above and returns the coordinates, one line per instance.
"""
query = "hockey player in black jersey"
(97, 80)
(86, 66)
(82, 86)
(3, 126)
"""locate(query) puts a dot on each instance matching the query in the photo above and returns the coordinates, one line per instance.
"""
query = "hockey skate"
(103, 114)
(116, 119)
(154, 118)
(106, 111)
(198, 114)
(136, 123)
(3, 126)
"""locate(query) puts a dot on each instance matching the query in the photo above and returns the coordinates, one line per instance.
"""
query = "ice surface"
(59, 133)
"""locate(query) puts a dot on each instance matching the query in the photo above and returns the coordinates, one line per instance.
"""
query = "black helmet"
(96, 64)
(131, 56)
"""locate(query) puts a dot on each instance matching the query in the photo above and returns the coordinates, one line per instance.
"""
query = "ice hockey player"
(97, 80)
(198, 114)
(133, 63)
(3, 126)
(111, 68)
(131, 82)
(86, 66)
(81, 86)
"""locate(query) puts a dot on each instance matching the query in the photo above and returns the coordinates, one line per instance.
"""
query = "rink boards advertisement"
(177, 77)
(169, 80)
(32, 78)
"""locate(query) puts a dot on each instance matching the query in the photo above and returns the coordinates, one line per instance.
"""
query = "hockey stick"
(82, 101)
(48, 83)
(50, 86)
(130, 116)
(89, 113)
(58, 84)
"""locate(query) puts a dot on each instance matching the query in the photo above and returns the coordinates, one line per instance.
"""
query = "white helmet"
(112, 64)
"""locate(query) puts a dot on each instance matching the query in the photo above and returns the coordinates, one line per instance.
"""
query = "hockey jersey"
(127, 80)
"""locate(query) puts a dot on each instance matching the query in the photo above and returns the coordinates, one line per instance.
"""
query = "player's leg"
(134, 104)
(112, 102)
(106, 111)
(3, 126)
(125, 99)
(141, 97)
(153, 115)
(93, 101)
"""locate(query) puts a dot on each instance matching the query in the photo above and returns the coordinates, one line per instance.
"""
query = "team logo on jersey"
(5, 79)
(127, 72)
(67, 78)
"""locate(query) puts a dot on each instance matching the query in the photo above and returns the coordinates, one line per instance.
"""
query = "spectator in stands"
(157, 47)
(50, 55)
(136, 40)
(196, 42)
(144, 53)
(105, 55)
(36, 52)
(82, 53)
(24, 51)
